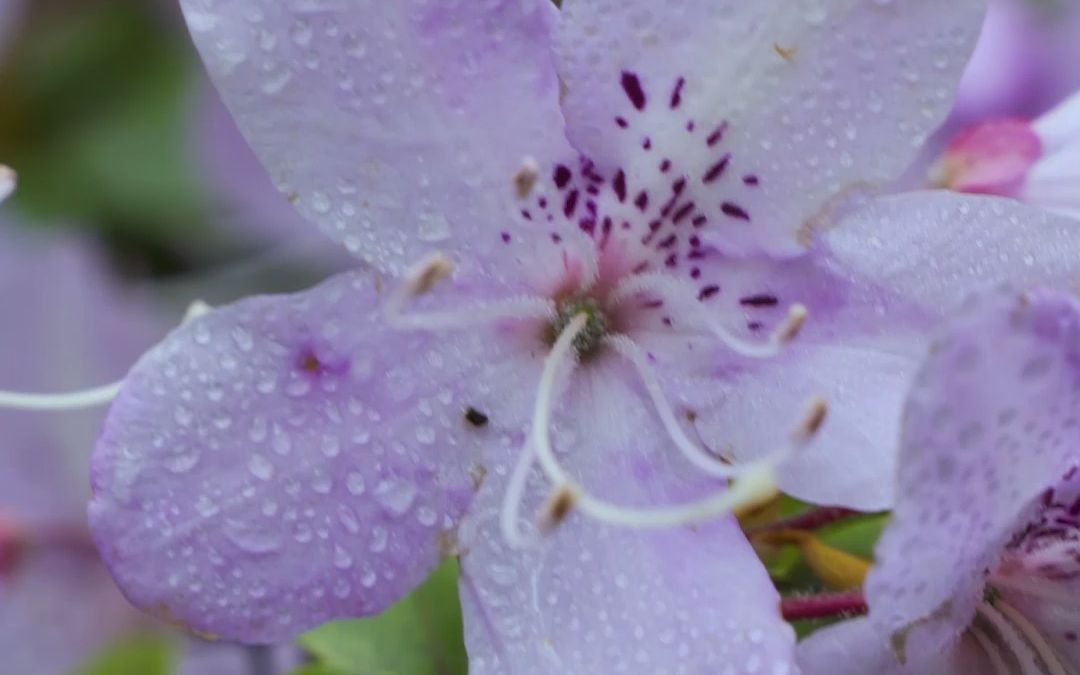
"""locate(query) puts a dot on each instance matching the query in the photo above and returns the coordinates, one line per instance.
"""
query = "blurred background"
(137, 197)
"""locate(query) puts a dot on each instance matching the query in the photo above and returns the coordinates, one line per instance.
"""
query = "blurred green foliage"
(421, 635)
(142, 654)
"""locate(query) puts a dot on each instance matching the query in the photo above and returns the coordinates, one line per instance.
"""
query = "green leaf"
(142, 654)
(421, 635)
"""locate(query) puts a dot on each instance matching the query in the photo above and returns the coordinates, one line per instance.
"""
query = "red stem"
(823, 606)
(809, 520)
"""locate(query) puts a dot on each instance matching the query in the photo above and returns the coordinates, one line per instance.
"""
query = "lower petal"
(592, 598)
(286, 461)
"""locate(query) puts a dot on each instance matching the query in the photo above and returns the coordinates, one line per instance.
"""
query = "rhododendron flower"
(977, 571)
(585, 311)
(1037, 161)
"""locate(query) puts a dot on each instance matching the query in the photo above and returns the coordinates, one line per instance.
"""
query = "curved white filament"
(676, 292)
(1016, 644)
(992, 652)
(74, 400)
(509, 514)
(1042, 648)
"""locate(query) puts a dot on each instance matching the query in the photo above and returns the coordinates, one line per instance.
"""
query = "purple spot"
(642, 200)
(665, 165)
(716, 170)
(641, 267)
(690, 127)
(708, 291)
(750, 179)
(695, 273)
(562, 176)
(632, 86)
(678, 186)
(526, 215)
(620, 185)
(699, 221)
(671, 260)
(1070, 636)
(676, 95)
(666, 320)
(759, 300)
(682, 213)
(654, 225)
(695, 241)
(542, 202)
(621, 122)
(593, 190)
(716, 135)
(570, 204)
(626, 224)
(754, 325)
(734, 211)
(668, 241)
(505, 237)
(646, 143)
(556, 237)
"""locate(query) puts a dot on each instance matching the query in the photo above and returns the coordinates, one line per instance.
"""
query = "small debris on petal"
(526, 177)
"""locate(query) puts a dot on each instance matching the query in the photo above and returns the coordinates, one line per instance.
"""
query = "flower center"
(597, 326)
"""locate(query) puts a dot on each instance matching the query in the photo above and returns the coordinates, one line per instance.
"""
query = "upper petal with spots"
(769, 109)
(397, 127)
(285, 461)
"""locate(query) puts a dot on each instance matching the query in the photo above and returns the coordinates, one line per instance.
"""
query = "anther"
(424, 276)
(526, 177)
(790, 329)
(427, 273)
(557, 507)
(8, 180)
(812, 422)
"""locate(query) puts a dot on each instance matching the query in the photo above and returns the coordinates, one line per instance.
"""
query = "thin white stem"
(561, 351)
(1034, 637)
(509, 514)
(677, 292)
(992, 652)
(433, 270)
(73, 400)
(698, 456)
(1016, 644)
(756, 484)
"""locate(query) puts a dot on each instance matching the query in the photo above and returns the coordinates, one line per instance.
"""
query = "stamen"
(525, 178)
(86, 398)
(515, 493)
(74, 400)
(675, 292)
(1042, 590)
(558, 507)
(1015, 643)
(994, 654)
(8, 180)
(437, 267)
(1042, 648)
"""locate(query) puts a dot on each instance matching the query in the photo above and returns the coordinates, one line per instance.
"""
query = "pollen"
(596, 327)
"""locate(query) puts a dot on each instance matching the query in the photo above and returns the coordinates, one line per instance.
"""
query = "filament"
(1016, 644)
(677, 292)
(74, 400)
(436, 268)
(1034, 637)
(994, 654)
(515, 493)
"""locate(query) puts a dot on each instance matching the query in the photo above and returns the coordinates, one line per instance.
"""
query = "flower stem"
(823, 606)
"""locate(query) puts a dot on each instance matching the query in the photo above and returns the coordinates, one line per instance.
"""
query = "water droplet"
(355, 484)
(395, 495)
(342, 559)
(379, 538)
(260, 467)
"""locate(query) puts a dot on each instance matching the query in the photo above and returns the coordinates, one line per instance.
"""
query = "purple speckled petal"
(397, 127)
(768, 110)
(598, 599)
(855, 648)
(284, 461)
(990, 423)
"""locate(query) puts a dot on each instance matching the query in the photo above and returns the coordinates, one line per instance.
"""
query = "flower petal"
(797, 103)
(600, 599)
(395, 126)
(855, 648)
(989, 425)
(285, 461)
